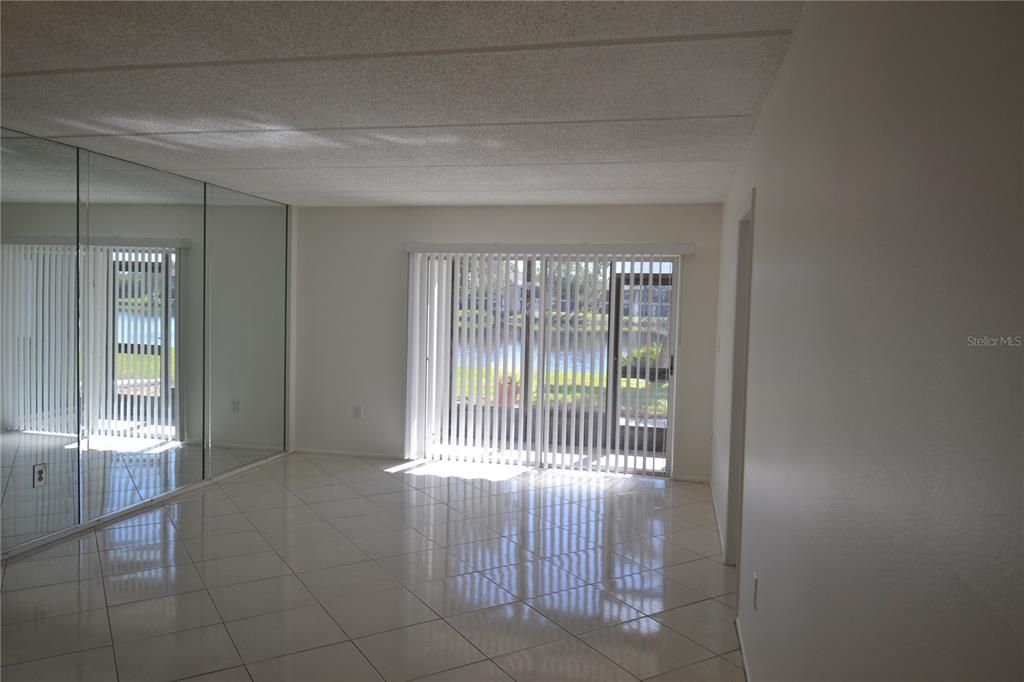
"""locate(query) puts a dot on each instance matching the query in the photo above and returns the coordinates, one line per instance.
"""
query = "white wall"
(351, 292)
(882, 507)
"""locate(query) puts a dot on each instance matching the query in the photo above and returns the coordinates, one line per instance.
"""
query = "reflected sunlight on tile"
(317, 564)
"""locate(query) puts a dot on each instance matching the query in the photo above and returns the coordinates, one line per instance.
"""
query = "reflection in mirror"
(38, 372)
(142, 332)
(246, 256)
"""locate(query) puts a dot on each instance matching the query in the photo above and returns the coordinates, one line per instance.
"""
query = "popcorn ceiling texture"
(405, 103)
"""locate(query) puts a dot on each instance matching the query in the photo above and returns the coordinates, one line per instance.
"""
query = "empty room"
(493, 341)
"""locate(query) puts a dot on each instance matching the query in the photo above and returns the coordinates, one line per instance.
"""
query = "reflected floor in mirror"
(318, 566)
(117, 472)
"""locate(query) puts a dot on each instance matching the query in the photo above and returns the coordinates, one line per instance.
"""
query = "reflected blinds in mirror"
(132, 308)
(39, 319)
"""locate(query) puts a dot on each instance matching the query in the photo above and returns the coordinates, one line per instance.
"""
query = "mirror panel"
(38, 308)
(142, 332)
(246, 294)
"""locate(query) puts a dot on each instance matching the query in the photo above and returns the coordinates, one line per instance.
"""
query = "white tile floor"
(318, 567)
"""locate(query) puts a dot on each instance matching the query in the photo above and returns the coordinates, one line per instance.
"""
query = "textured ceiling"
(404, 103)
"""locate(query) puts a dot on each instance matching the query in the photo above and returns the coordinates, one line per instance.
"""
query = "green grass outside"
(581, 388)
(140, 304)
(141, 366)
(469, 320)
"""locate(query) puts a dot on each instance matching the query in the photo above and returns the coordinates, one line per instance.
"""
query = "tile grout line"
(315, 598)
(338, 625)
(67, 653)
(206, 589)
(106, 605)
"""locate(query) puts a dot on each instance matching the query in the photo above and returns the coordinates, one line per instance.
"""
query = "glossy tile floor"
(324, 567)
(116, 473)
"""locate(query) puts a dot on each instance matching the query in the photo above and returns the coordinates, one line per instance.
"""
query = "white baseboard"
(346, 453)
(721, 530)
(245, 446)
(743, 651)
(692, 479)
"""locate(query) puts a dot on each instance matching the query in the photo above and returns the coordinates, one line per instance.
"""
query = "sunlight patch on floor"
(124, 444)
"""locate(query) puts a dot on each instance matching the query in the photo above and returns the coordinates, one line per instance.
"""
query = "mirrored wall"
(246, 284)
(143, 334)
(39, 390)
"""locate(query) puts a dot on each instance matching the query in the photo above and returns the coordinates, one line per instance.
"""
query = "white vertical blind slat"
(500, 345)
(562, 379)
(461, 431)
(425, 425)
(415, 320)
(104, 331)
(588, 289)
(488, 332)
(152, 357)
(620, 397)
(474, 340)
(579, 390)
(589, 292)
(543, 345)
(433, 361)
(464, 378)
(640, 371)
(136, 342)
(120, 400)
(564, 447)
(165, 335)
(440, 357)
(634, 407)
(524, 303)
(51, 337)
(572, 371)
(57, 337)
(551, 376)
(651, 367)
(36, 334)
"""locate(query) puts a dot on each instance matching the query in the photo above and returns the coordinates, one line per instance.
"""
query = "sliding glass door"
(642, 332)
(550, 360)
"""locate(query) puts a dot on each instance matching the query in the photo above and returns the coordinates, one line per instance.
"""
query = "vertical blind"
(542, 359)
(39, 315)
(129, 306)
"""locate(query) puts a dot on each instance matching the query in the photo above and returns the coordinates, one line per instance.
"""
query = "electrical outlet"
(38, 475)
(357, 412)
(755, 591)
(235, 404)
